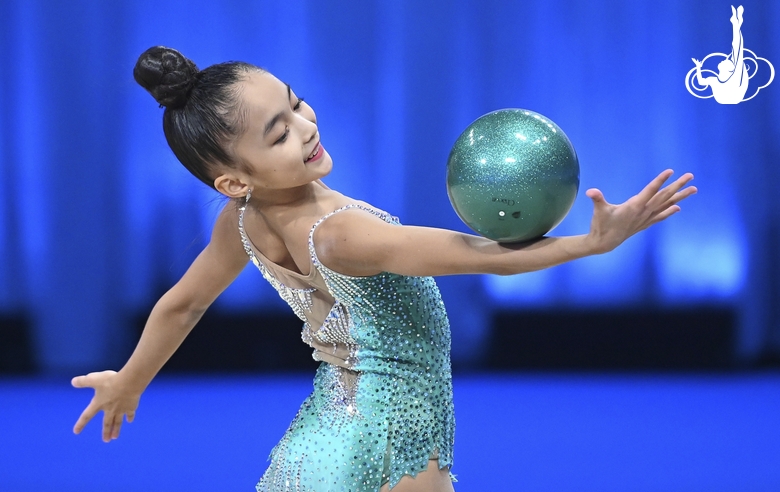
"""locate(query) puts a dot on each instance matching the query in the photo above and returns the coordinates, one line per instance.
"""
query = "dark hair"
(202, 109)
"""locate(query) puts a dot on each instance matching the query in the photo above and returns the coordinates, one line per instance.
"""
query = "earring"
(248, 196)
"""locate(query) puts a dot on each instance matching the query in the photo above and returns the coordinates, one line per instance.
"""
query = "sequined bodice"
(326, 320)
(388, 397)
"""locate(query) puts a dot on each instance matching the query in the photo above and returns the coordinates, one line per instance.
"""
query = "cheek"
(286, 164)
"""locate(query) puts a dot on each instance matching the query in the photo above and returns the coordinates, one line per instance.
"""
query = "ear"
(231, 186)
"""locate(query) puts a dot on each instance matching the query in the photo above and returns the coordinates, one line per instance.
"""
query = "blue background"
(97, 219)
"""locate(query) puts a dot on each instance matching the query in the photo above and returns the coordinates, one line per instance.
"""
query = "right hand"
(111, 397)
(696, 62)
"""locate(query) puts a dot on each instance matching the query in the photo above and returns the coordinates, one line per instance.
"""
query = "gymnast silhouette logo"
(735, 71)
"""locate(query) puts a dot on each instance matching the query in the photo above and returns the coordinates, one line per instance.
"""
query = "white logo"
(730, 83)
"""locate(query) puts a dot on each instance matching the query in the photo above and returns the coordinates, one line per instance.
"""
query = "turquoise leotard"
(382, 401)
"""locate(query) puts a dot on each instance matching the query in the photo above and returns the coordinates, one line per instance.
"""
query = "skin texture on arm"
(359, 244)
(171, 320)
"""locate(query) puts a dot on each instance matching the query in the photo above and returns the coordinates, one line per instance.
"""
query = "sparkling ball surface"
(512, 175)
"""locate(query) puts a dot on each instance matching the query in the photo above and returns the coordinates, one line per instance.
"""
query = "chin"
(326, 166)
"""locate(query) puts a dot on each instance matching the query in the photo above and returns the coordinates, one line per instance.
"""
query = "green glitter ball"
(512, 175)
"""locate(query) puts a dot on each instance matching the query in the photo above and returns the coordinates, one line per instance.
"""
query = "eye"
(298, 104)
(283, 138)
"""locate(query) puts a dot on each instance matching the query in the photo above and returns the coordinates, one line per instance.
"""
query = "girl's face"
(281, 144)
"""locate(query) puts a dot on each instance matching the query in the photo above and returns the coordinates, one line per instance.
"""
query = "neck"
(276, 201)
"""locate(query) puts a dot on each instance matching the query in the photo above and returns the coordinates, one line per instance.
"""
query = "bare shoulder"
(353, 242)
(345, 223)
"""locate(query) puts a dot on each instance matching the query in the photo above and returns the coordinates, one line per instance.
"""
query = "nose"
(308, 129)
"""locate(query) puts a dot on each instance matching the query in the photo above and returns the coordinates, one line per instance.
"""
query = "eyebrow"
(269, 126)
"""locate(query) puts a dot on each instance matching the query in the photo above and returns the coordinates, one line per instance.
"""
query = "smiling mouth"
(315, 153)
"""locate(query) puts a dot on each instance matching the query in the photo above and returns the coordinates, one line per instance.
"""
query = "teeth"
(314, 152)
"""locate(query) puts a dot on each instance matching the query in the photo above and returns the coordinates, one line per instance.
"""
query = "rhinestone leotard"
(384, 407)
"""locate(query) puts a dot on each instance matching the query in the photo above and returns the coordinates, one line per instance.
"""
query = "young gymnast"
(381, 415)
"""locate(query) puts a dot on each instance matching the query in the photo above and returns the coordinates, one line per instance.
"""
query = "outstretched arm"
(359, 244)
(171, 320)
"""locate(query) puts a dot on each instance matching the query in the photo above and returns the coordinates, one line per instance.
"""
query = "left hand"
(613, 224)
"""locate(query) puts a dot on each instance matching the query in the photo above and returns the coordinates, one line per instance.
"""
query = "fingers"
(116, 426)
(107, 424)
(663, 215)
(658, 201)
(651, 195)
(108, 400)
(85, 417)
(652, 188)
(79, 382)
(111, 425)
(677, 198)
(596, 195)
(90, 380)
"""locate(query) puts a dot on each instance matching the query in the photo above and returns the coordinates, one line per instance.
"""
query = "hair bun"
(167, 74)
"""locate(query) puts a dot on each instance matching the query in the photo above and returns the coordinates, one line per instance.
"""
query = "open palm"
(613, 224)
